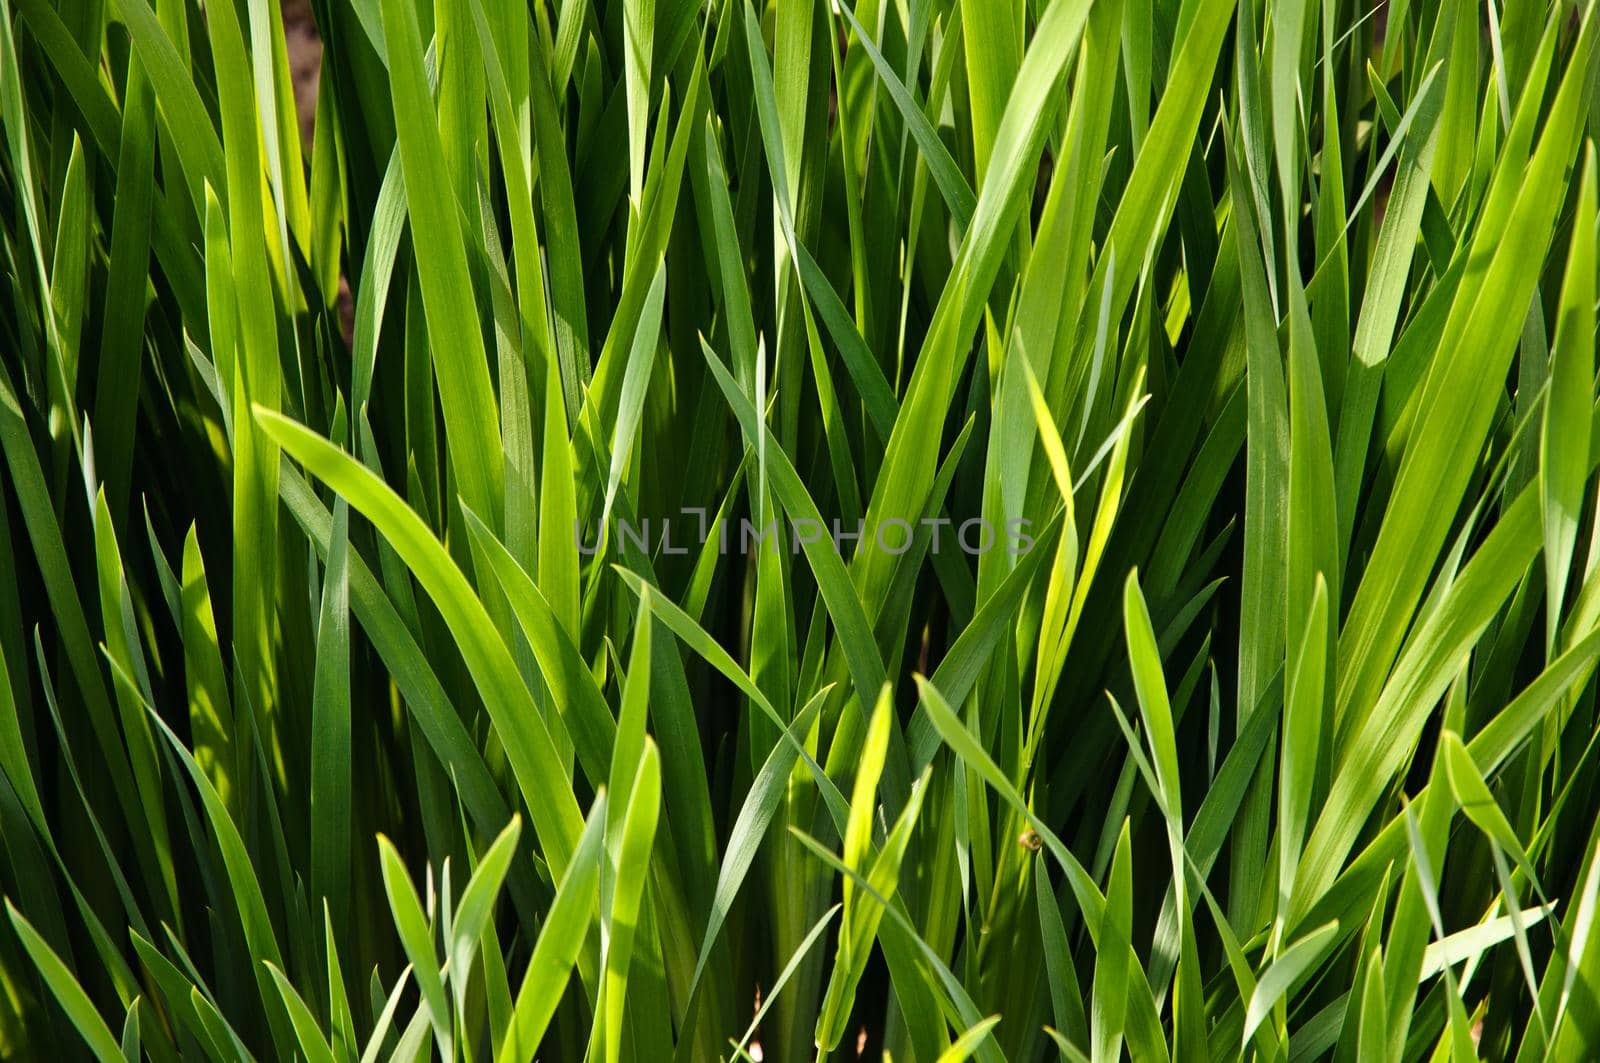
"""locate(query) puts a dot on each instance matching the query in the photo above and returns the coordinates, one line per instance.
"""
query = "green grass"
(348, 713)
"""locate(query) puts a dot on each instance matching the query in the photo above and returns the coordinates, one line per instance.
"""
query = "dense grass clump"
(800, 529)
